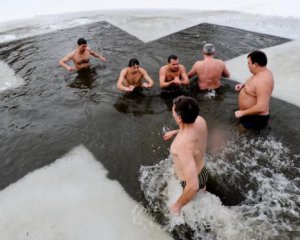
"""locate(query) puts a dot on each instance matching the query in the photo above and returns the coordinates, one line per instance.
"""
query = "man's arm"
(168, 135)
(188, 164)
(225, 72)
(184, 76)
(97, 55)
(147, 78)
(238, 87)
(263, 94)
(120, 84)
(63, 62)
(193, 71)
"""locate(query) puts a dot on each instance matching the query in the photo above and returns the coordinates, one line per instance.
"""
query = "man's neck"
(260, 69)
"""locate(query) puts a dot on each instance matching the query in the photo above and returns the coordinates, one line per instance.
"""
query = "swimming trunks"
(255, 122)
(202, 179)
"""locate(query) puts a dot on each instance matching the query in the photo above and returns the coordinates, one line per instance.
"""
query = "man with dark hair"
(255, 93)
(80, 57)
(131, 77)
(173, 74)
(209, 71)
(188, 149)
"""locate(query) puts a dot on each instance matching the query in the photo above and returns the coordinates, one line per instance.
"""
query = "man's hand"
(169, 135)
(130, 88)
(177, 81)
(103, 59)
(239, 87)
(146, 85)
(70, 69)
(175, 209)
(238, 114)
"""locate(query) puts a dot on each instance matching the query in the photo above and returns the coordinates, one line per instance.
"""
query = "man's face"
(174, 65)
(175, 115)
(251, 66)
(82, 47)
(134, 69)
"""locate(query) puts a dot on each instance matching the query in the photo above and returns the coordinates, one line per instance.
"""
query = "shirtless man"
(209, 70)
(188, 149)
(80, 57)
(255, 93)
(131, 77)
(173, 74)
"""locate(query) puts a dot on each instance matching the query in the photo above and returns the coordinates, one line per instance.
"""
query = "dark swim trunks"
(202, 179)
(255, 122)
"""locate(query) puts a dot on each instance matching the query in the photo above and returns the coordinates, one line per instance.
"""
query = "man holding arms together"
(209, 71)
(255, 94)
(188, 149)
(173, 74)
(131, 77)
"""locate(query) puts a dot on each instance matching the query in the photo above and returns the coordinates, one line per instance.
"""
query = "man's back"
(193, 139)
(209, 72)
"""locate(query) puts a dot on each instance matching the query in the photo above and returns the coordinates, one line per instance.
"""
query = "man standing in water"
(188, 149)
(80, 57)
(209, 70)
(131, 77)
(255, 94)
(173, 74)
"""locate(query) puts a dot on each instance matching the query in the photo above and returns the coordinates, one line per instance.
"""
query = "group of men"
(189, 146)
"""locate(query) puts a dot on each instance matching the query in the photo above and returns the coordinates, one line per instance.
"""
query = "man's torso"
(209, 73)
(248, 94)
(81, 60)
(133, 79)
(170, 75)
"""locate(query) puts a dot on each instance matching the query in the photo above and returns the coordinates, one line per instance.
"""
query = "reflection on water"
(44, 119)
(135, 103)
(86, 78)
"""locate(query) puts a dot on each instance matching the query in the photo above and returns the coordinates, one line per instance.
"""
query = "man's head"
(185, 109)
(256, 58)
(259, 58)
(134, 65)
(209, 49)
(82, 44)
(173, 63)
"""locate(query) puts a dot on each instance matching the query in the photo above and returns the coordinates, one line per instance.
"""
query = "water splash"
(8, 78)
(256, 166)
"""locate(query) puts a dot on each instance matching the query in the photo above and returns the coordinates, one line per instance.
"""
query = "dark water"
(56, 110)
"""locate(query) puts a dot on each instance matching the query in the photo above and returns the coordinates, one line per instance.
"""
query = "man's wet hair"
(258, 57)
(209, 49)
(133, 62)
(187, 108)
(81, 41)
(172, 57)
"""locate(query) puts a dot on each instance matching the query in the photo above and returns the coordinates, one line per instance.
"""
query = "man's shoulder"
(72, 54)
(143, 70)
(124, 70)
(163, 69)
(181, 67)
(201, 123)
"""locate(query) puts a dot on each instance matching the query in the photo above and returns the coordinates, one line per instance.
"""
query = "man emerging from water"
(209, 71)
(173, 74)
(80, 57)
(255, 93)
(131, 77)
(188, 149)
